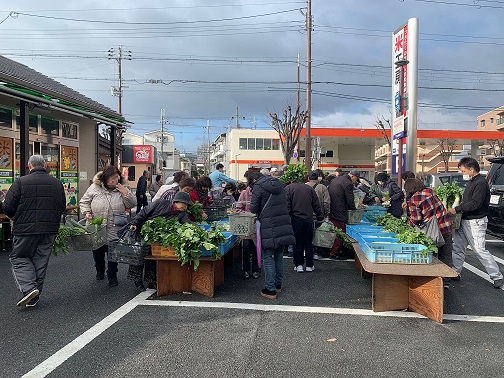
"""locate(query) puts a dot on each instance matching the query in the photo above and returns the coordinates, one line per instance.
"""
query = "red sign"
(142, 154)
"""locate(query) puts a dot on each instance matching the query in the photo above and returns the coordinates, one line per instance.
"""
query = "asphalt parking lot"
(320, 325)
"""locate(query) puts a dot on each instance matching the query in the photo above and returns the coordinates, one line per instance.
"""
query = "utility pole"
(308, 85)
(298, 87)
(237, 118)
(119, 55)
(162, 121)
(208, 148)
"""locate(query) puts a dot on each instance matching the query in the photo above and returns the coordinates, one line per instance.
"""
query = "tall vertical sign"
(70, 174)
(405, 88)
(6, 165)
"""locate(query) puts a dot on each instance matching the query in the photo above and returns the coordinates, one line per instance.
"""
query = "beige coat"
(101, 201)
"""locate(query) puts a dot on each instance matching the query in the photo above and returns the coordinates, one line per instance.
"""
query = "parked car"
(439, 179)
(496, 212)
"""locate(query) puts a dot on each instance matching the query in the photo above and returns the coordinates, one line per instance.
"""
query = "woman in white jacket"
(109, 197)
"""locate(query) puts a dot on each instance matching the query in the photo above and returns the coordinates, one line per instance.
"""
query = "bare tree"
(380, 125)
(497, 146)
(446, 147)
(289, 128)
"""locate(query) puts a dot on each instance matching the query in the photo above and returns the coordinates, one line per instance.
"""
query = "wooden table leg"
(390, 292)
(426, 297)
(203, 279)
(218, 272)
(172, 277)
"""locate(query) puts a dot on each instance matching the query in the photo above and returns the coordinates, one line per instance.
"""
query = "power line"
(156, 23)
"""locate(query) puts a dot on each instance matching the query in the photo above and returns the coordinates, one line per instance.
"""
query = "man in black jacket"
(141, 191)
(35, 203)
(472, 231)
(302, 203)
(342, 200)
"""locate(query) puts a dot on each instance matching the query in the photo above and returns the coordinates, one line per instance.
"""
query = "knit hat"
(313, 175)
(182, 197)
(382, 177)
(355, 173)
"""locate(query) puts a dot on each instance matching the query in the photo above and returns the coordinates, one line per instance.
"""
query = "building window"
(275, 144)
(267, 144)
(6, 117)
(491, 120)
(50, 126)
(251, 144)
(328, 153)
(259, 144)
(69, 130)
(482, 123)
(243, 143)
(32, 122)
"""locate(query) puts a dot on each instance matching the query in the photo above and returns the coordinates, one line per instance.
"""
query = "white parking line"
(480, 273)
(81, 341)
(319, 310)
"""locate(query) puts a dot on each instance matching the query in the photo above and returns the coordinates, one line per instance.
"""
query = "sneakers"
(498, 283)
(27, 297)
(112, 281)
(245, 275)
(299, 269)
(100, 276)
(310, 268)
(268, 294)
(278, 288)
(315, 256)
(33, 301)
(255, 275)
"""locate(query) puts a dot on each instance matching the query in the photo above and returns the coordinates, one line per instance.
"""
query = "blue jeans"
(273, 276)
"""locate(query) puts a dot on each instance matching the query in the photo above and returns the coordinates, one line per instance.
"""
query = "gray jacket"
(101, 201)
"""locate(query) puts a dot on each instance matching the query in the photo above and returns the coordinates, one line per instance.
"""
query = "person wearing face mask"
(223, 196)
(391, 192)
(472, 231)
(108, 196)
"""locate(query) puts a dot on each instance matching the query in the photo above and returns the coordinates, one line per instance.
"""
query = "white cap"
(274, 169)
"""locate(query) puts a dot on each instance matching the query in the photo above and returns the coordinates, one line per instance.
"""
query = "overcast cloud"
(208, 68)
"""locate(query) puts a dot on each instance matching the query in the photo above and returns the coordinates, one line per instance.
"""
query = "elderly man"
(341, 193)
(35, 203)
(141, 191)
(218, 177)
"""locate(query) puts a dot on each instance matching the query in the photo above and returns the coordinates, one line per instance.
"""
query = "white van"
(439, 179)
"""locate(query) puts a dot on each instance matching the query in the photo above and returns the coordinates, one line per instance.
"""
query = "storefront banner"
(142, 154)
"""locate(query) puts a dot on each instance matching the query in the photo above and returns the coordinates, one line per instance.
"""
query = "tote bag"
(432, 231)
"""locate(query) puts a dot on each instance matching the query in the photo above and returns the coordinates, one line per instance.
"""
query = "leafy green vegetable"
(196, 210)
(61, 241)
(295, 172)
(449, 193)
(187, 238)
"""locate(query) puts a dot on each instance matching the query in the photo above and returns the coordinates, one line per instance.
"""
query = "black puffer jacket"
(35, 202)
(396, 196)
(276, 228)
(160, 208)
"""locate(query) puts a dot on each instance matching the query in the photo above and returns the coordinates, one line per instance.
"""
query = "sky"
(199, 60)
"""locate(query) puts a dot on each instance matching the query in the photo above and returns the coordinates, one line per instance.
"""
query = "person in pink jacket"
(248, 248)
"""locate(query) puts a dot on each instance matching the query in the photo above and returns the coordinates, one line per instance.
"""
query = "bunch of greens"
(344, 238)
(187, 239)
(196, 210)
(295, 172)
(449, 194)
(404, 232)
(61, 241)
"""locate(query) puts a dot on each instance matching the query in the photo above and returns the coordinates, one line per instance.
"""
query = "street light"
(401, 63)
(237, 166)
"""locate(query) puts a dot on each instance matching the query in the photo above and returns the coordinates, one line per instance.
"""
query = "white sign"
(83, 175)
(399, 76)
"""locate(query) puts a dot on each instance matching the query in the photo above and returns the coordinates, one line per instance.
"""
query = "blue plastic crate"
(367, 238)
(373, 212)
(395, 253)
(223, 247)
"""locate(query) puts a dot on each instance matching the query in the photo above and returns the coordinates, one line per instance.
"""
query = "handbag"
(432, 231)
(120, 219)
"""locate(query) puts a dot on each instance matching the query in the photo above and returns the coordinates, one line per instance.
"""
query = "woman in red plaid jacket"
(423, 204)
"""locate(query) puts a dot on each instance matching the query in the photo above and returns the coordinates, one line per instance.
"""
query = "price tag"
(495, 199)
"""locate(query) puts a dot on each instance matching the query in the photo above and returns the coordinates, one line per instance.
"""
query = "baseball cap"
(265, 172)
(313, 175)
(338, 170)
(354, 172)
(274, 169)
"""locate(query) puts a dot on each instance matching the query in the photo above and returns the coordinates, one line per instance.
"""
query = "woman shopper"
(108, 197)
(161, 208)
(249, 252)
(154, 187)
(423, 204)
(391, 192)
(270, 204)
